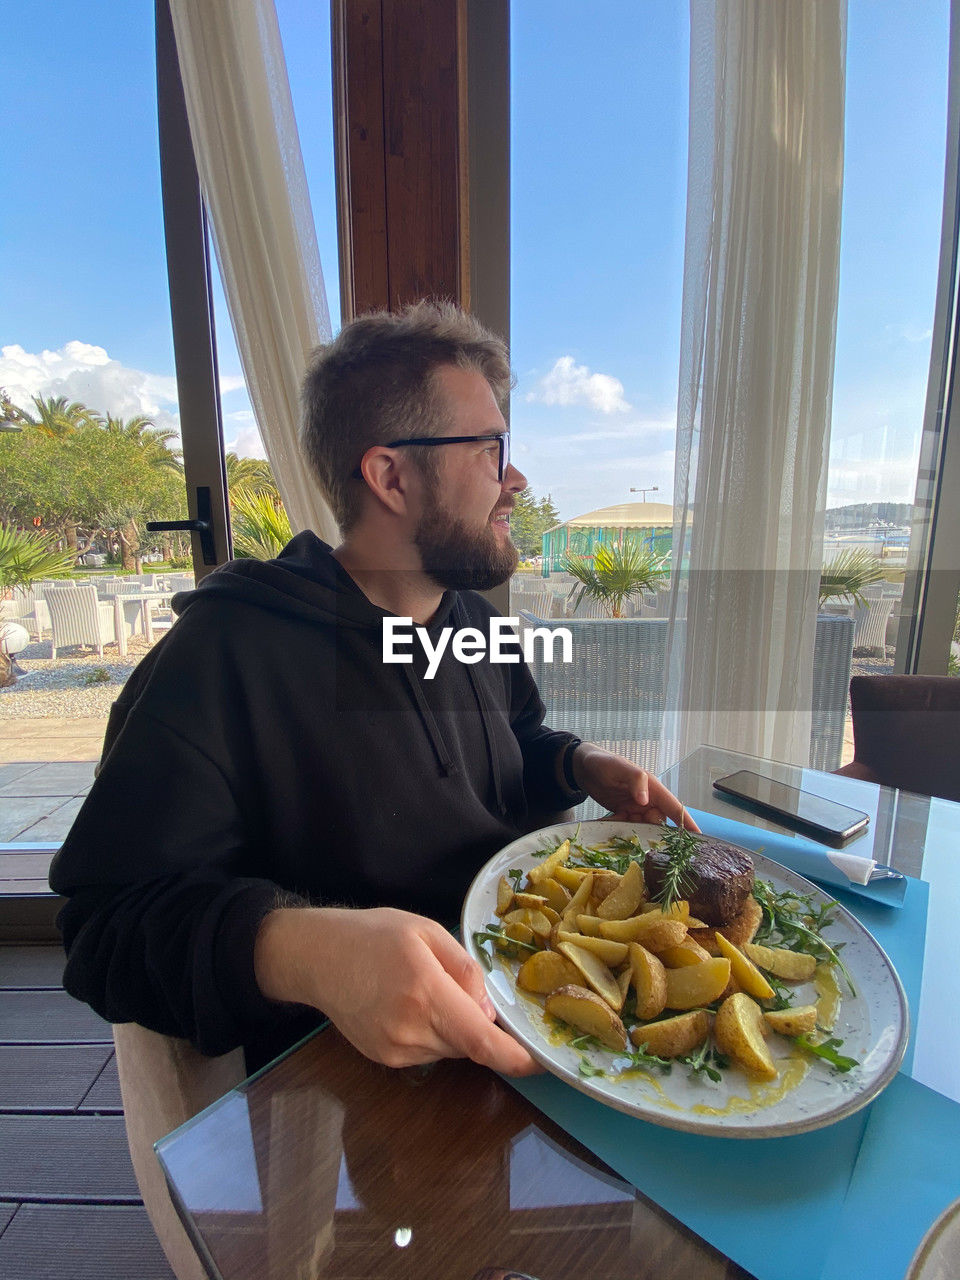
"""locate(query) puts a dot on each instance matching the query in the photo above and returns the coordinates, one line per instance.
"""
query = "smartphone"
(822, 818)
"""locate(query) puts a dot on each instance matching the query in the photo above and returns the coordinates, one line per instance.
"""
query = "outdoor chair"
(870, 622)
(21, 607)
(78, 617)
(163, 1083)
(906, 733)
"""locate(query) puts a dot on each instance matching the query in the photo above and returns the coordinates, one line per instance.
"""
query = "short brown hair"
(375, 383)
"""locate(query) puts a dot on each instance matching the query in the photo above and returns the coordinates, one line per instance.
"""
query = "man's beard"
(459, 558)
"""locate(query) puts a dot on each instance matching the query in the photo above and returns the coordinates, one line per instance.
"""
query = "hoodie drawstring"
(483, 702)
(445, 762)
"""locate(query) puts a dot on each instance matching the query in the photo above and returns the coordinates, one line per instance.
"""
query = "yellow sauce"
(762, 1093)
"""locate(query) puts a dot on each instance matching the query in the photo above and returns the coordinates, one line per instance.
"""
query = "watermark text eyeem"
(470, 645)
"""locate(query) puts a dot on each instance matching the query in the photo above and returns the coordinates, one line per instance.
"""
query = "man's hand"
(629, 792)
(397, 985)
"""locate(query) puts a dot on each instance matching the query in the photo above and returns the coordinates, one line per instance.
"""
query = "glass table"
(326, 1165)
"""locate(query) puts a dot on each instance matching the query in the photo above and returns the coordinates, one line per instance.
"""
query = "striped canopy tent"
(648, 523)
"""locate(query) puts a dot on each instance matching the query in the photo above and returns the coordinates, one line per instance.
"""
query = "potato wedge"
(570, 877)
(556, 895)
(794, 966)
(589, 925)
(536, 920)
(747, 974)
(672, 1037)
(793, 1022)
(594, 972)
(653, 930)
(532, 900)
(604, 883)
(649, 981)
(624, 978)
(688, 952)
(504, 896)
(579, 900)
(520, 933)
(626, 897)
(546, 971)
(612, 953)
(545, 869)
(581, 1009)
(696, 984)
(739, 1030)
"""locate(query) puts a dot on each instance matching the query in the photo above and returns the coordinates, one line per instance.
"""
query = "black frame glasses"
(502, 438)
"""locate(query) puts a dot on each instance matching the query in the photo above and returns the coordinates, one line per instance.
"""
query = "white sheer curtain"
(756, 370)
(255, 190)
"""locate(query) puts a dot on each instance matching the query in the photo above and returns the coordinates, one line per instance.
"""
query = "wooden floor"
(69, 1204)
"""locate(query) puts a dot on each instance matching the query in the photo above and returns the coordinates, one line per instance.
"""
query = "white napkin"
(858, 870)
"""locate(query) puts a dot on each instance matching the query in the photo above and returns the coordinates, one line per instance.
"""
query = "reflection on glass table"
(895, 835)
(326, 1165)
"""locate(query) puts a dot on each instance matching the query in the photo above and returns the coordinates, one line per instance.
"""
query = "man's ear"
(387, 477)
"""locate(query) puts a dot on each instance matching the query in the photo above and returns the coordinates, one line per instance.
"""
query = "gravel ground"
(58, 687)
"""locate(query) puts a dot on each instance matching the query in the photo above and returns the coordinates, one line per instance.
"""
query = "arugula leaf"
(827, 1050)
(794, 921)
(707, 1060)
(494, 933)
(641, 1058)
(585, 1042)
(588, 1069)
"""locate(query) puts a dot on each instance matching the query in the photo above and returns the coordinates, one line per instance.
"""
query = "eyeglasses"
(502, 438)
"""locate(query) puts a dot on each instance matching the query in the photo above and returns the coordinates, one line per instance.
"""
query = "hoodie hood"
(304, 581)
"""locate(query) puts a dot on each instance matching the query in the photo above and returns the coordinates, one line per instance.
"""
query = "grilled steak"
(718, 882)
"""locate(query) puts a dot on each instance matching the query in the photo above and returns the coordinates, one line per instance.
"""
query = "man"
(281, 819)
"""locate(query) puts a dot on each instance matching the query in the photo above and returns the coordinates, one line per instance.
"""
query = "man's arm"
(163, 928)
(397, 985)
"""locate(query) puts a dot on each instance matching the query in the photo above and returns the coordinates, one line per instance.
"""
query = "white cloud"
(569, 383)
(912, 333)
(83, 372)
(246, 443)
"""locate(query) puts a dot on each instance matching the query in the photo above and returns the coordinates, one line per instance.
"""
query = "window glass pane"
(599, 122)
(896, 111)
(87, 359)
(599, 144)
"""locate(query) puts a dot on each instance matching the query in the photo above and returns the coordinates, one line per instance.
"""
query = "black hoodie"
(263, 753)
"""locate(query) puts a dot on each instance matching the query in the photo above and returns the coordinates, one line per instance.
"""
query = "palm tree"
(847, 574)
(25, 557)
(55, 417)
(153, 442)
(619, 571)
(261, 528)
(255, 475)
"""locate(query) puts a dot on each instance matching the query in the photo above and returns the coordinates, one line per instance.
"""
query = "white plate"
(873, 1024)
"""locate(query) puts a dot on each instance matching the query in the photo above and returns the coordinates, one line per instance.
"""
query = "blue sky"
(598, 173)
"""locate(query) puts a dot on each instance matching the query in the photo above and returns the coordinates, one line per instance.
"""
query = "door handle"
(202, 525)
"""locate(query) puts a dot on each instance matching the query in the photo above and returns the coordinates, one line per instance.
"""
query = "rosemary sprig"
(681, 846)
